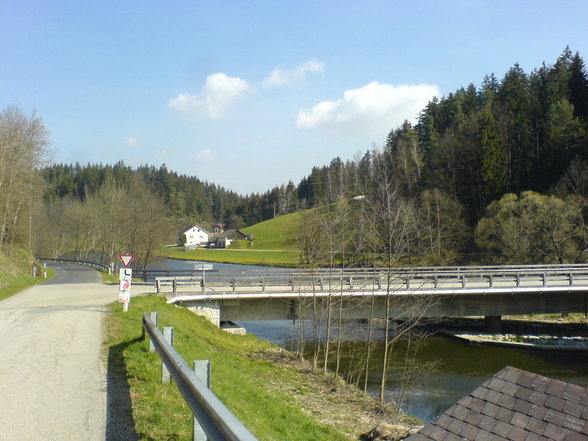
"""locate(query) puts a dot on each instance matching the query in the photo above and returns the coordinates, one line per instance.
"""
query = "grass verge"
(15, 273)
(275, 401)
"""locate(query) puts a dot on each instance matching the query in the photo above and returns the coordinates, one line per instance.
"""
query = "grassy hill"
(276, 234)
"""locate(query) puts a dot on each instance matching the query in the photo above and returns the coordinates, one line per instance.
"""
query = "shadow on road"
(120, 425)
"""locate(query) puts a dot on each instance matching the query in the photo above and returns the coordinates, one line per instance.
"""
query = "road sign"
(203, 266)
(126, 259)
(125, 274)
(124, 287)
(124, 291)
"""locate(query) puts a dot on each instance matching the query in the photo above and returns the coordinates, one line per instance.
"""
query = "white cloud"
(131, 142)
(206, 155)
(219, 92)
(373, 109)
(279, 77)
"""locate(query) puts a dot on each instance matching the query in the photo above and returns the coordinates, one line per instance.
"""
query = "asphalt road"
(52, 371)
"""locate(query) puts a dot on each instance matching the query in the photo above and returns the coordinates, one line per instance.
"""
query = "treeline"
(187, 197)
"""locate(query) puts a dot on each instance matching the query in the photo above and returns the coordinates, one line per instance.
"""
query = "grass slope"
(256, 390)
(15, 273)
(276, 234)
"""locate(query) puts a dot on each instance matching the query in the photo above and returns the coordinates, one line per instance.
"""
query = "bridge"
(488, 291)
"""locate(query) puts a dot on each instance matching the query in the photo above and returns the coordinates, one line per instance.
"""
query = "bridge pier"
(493, 324)
(210, 310)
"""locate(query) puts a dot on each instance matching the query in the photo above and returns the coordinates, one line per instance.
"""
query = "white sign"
(125, 274)
(124, 291)
(203, 266)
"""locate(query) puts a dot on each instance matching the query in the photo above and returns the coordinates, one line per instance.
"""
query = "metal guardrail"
(215, 419)
(87, 263)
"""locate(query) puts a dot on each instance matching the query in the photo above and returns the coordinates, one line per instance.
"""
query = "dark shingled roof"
(514, 405)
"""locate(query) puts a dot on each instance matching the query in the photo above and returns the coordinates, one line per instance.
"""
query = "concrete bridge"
(491, 292)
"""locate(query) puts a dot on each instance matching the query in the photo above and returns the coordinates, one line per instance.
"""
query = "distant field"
(246, 257)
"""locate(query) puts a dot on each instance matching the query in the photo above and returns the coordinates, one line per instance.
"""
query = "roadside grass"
(250, 387)
(15, 273)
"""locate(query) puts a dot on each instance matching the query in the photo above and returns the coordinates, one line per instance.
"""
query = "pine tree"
(493, 158)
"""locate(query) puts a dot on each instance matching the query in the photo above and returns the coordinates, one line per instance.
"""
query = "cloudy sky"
(252, 94)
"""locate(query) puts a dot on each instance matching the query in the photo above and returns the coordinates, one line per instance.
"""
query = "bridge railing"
(87, 263)
(213, 417)
(372, 278)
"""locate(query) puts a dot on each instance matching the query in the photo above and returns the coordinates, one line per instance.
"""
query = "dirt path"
(52, 376)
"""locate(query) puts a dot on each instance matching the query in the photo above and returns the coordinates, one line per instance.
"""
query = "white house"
(194, 237)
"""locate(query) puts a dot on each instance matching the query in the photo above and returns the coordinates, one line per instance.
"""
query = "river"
(459, 367)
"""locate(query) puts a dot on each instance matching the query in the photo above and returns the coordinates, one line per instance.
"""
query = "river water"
(458, 367)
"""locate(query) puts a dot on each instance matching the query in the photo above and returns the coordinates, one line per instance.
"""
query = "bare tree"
(23, 143)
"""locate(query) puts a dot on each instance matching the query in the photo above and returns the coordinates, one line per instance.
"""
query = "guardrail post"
(174, 285)
(153, 317)
(262, 282)
(202, 371)
(490, 281)
(544, 278)
(518, 279)
(168, 334)
(436, 281)
(407, 281)
(570, 279)
(463, 283)
(234, 285)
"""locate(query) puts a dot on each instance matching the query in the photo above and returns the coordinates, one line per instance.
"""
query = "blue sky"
(252, 94)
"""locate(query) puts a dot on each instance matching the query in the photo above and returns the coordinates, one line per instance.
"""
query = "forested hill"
(526, 131)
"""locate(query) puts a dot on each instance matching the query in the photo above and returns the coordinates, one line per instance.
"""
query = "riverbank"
(277, 395)
(539, 333)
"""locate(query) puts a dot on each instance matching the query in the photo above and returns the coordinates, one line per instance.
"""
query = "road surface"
(52, 370)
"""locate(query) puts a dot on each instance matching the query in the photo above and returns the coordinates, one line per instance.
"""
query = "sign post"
(125, 278)
(203, 267)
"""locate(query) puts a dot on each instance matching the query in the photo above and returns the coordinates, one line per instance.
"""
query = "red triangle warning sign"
(126, 259)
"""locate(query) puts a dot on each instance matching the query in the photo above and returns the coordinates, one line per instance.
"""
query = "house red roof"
(514, 405)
